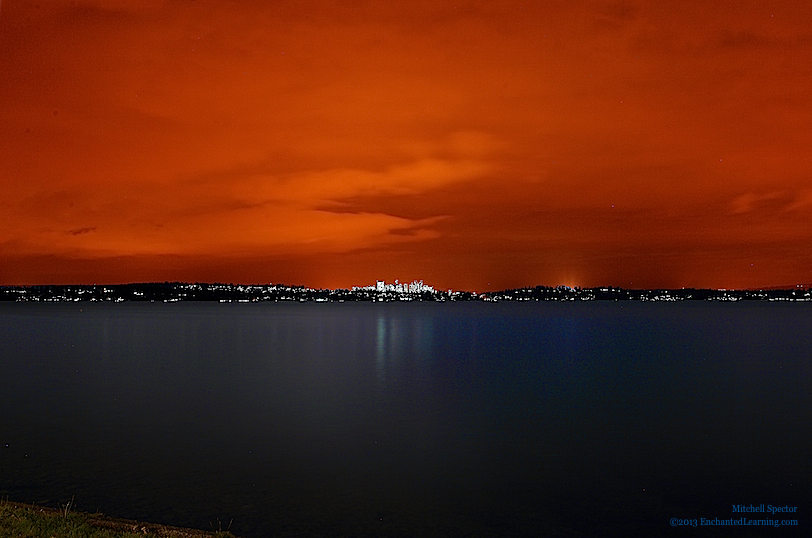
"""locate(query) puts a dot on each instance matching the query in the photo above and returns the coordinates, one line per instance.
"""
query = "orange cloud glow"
(473, 145)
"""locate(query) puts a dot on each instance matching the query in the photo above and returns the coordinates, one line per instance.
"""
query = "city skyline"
(477, 146)
(172, 292)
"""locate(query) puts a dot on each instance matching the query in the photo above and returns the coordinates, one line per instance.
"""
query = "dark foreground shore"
(31, 521)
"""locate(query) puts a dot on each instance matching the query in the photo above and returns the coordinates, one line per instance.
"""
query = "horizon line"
(350, 288)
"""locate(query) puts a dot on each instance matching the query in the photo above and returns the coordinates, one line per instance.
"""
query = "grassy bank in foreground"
(26, 521)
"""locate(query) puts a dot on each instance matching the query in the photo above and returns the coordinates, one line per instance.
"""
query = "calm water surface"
(410, 419)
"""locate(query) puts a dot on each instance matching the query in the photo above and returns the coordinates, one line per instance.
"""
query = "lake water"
(419, 419)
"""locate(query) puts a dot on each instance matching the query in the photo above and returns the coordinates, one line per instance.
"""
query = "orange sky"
(474, 145)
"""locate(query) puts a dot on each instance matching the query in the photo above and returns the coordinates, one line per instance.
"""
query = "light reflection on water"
(400, 420)
(381, 355)
(398, 339)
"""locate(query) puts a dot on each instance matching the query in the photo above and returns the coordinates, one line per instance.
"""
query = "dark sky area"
(474, 145)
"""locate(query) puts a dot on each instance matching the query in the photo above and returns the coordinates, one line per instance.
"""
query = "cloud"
(409, 178)
(802, 200)
(236, 128)
(750, 201)
(80, 231)
(242, 211)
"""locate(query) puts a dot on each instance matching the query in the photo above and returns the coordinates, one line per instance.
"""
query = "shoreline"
(102, 522)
